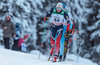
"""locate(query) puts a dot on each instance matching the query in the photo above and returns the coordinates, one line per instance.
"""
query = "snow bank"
(8, 57)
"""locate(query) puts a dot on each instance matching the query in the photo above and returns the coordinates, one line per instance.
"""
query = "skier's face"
(7, 18)
(58, 10)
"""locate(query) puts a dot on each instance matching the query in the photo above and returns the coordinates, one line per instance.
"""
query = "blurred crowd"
(12, 35)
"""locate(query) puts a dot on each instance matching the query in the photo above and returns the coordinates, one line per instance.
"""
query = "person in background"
(21, 43)
(16, 39)
(8, 31)
(69, 32)
(68, 38)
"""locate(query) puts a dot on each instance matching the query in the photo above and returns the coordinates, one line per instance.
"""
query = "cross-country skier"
(57, 20)
(67, 29)
(68, 38)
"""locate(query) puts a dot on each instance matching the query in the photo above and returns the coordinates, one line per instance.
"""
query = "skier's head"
(8, 18)
(59, 7)
(64, 5)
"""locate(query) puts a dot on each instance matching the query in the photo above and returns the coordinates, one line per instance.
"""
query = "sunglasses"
(58, 8)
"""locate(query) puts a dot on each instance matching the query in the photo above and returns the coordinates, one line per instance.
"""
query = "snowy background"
(30, 13)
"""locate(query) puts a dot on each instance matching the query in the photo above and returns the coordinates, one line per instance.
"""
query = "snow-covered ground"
(9, 57)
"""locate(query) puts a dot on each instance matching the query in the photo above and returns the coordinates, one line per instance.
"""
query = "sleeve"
(73, 27)
(49, 13)
(66, 17)
(70, 18)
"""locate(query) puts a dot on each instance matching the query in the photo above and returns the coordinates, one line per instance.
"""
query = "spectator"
(8, 31)
(21, 43)
(16, 39)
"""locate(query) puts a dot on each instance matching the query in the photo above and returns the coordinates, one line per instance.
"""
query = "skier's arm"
(73, 29)
(71, 20)
(48, 15)
(66, 16)
(66, 20)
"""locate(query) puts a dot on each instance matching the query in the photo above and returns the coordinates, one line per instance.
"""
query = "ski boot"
(60, 59)
(51, 53)
(55, 59)
(49, 57)
(64, 58)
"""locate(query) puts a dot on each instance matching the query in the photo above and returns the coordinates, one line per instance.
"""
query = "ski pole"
(43, 35)
(78, 46)
(43, 38)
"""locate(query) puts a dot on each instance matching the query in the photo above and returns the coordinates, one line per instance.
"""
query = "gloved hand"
(70, 31)
(45, 18)
(5, 28)
(14, 35)
(67, 35)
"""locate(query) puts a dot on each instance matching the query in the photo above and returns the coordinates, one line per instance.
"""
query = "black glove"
(46, 18)
(67, 35)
